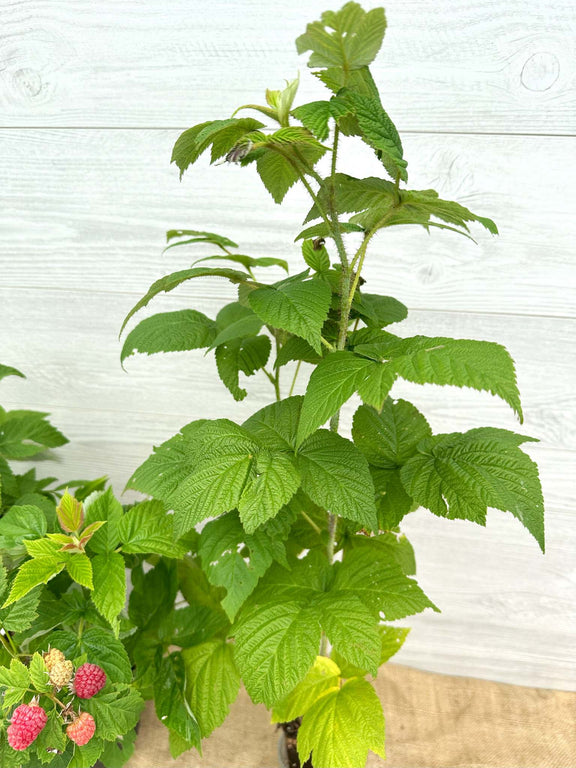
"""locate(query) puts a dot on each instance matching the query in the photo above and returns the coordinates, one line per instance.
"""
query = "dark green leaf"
(170, 332)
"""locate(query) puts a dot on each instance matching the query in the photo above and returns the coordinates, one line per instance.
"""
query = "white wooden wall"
(92, 96)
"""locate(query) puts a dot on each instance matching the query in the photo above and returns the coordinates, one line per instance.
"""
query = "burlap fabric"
(432, 721)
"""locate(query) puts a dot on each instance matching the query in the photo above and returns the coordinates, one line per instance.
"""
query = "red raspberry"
(89, 679)
(27, 722)
(81, 729)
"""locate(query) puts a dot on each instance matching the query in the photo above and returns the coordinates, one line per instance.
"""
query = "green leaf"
(116, 713)
(170, 332)
(212, 682)
(30, 574)
(169, 282)
(343, 726)
(247, 261)
(460, 475)
(316, 115)
(276, 645)
(70, 513)
(276, 481)
(26, 433)
(225, 460)
(20, 615)
(39, 674)
(19, 524)
(223, 134)
(482, 365)
(103, 506)
(109, 594)
(298, 307)
(248, 324)
(331, 384)
(391, 639)
(351, 195)
(197, 236)
(147, 528)
(315, 256)
(335, 476)
(101, 648)
(10, 758)
(275, 426)
(6, 370)
(87, 755)
(80, 569)
(16, 680)
(378, 311)
(392, 501)
(352, 629)
(322, 230)
(224, 548)
(378, 131)
(246, 355)
(323, 676)
(347, 39)
(51, 738)
(380, 584)
(296, 348)
(119, 751)
(172, 707)
(389, 438)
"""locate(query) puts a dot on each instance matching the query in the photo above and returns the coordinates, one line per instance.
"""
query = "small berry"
(61, 673)
(53, 657)
(89, 679)
(27, 722)
(81, 729)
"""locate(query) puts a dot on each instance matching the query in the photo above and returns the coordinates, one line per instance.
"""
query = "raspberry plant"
(300, 545)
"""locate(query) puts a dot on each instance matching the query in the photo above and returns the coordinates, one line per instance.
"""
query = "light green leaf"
(51, 738)
(222, 133)
(389, 438)
(460, 475)
(331, 384)
(275, 425)
(19, 524)
(246, 355)
(347, 39)
(147, 528)
(70, 513)
(39, 674)
(335, 476)
(351, 628)
(275, 647)
(109, 594)
(316, 257)
(342, 727)
(170, 332)
(316, 115)
(392, 500)
(103, 506)
(170, 282)
(16, 680)
(197, 236)
(20, 615)
(298, 307)
(212, 682)
(380, 584)
(30, 574)
(6, 370)
(80, 569)
(391, 638)
(325, 674)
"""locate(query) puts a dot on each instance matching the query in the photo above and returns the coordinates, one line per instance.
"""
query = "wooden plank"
(446, 66)
(88, 210)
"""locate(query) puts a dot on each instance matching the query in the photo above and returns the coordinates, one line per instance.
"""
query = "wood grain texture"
(449, 66)
(89, 209)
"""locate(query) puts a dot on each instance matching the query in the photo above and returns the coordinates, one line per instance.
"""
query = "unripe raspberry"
(61, 673)
(89, 679)
(53, 657)
(81, 729)
(27, 722)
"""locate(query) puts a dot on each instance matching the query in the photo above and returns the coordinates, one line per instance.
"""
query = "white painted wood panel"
(83, 211)
(453, 65)
(89, 209)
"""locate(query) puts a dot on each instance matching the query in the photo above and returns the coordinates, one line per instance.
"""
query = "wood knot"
(540, 71)
(28, 82)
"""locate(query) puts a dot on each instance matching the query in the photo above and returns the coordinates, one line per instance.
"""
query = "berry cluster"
(28, 720)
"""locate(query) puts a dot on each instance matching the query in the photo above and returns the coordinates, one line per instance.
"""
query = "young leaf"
(109, 594)
(354, 39)
(331, 384)
(80, 569)
(70, 513)
(196, 236)
(343, 726)
(275, 646)
(177, 331)
(223, 133)
(16, 680)
(19, 524)
(103, 506)
(380, 584)
(324, 674)
(317, 114)
(322, 230)
(298, 307)
(460, 475)
(315, 255)
(247, 261)
(212, 682)
(335, 475)
(31, 574)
